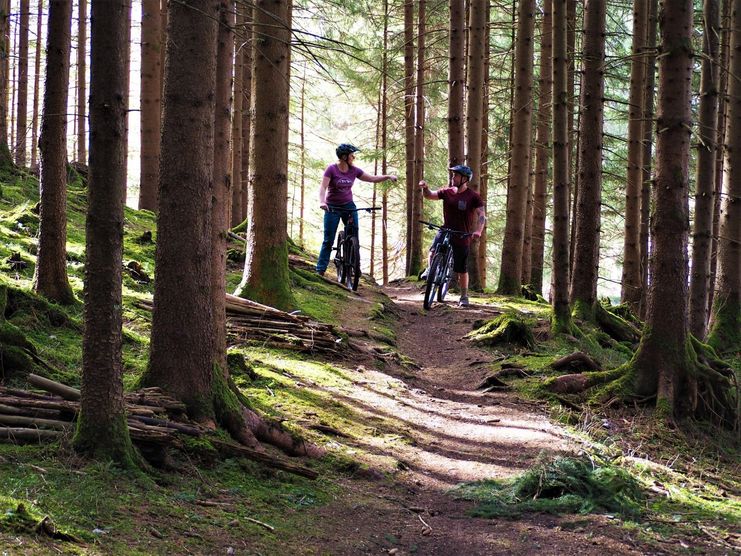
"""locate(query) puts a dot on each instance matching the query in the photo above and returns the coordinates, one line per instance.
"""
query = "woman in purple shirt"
(336, 191)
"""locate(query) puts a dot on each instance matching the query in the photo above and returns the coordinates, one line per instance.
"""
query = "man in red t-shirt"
(463, 211)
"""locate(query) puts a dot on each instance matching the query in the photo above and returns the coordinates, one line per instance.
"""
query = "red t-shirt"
(458, 211)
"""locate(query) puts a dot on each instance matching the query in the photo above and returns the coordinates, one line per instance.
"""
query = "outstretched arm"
(426, 193)
(376, 179)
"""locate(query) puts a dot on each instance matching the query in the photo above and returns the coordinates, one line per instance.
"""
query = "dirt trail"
(451, 433)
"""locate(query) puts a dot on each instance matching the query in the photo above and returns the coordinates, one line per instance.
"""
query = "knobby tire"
(339, 260)
(432, 283)
(352, 263)
(446, 275)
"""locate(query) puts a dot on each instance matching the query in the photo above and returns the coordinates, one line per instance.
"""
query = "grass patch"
(560, 485)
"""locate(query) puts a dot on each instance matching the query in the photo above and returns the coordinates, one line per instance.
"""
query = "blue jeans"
(331, 221)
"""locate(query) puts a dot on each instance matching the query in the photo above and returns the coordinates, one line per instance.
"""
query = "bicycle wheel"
(352, 263)
(432, 283)
(339, 259)
(446, 275)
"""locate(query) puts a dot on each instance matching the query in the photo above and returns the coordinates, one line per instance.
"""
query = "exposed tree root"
(577, 361)
(617, 327)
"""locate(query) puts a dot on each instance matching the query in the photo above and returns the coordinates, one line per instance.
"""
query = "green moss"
(508, 328)
(105, 443)
(268, 280)
(725, 334)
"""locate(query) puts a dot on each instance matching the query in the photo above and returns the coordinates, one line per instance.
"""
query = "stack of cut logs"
(31, 417)
(251, 321)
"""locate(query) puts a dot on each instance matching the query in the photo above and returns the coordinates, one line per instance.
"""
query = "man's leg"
(463, 283)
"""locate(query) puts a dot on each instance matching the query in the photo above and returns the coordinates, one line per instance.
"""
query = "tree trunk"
(13, 80)
(22, 84)
(631, 281)
(5, 158)
(50, 276)
(589, 195)
(481, 255)
(456, 82)
(181, 356)
(102, 430)
(511, 270)
(240, 45)
(648, 139)
(266, 265)
(561, 314)
(705, 171)
(81, 85)
(151, 103)
(725, 332)
(542, 149)
(662, 360)
(36, 90)
(384, 140)
(415, 263)
(246, 111)
(409, 126)
(222, 194)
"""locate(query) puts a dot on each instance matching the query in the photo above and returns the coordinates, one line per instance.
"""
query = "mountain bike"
(347, 256)
(440, 272)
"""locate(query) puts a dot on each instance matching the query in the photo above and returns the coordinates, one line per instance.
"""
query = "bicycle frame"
(347, 258)
(440, 272)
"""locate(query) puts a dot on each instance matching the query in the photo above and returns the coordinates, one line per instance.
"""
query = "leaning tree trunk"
(542, 149)
(50, 277)
(725, 332)
(102, 430)
(151, 104)
(265, 276)
(662, 362)
(5, 158)
(81, 85)
(511, 269)
(181, 359)
(631, 280)
(705, 174)
(456, 82)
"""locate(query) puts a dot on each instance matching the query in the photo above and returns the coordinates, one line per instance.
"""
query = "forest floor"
(456, 435)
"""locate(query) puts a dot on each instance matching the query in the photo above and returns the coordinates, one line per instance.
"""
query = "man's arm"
(323, 193)
(376, 179)
(426, 193)
(480, 221)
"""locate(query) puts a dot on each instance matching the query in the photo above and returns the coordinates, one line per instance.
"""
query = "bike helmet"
(345, 148)
(463, 171)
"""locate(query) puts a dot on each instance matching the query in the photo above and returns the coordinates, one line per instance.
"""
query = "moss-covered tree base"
(106, 443)
(725, 334)
(508, 328)
(710, 391)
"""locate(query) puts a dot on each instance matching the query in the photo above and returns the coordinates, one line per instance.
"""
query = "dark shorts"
(460, 254)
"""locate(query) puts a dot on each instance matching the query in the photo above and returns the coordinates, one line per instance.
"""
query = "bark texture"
(81, 81)
(631, 280)
(560, 301)
(102, 430)
(50, 277)
(409, 125)
(456, 82)
(151, 104)
(21, 119)
(662, 361)
(415, 262)
(182, 324)
(5, 158)
(542, 148)
(266, 266)
(517, 188)
(589, 194)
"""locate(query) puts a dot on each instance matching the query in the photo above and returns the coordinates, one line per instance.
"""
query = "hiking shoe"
(463, 302)
(320, 272)
(423, 275)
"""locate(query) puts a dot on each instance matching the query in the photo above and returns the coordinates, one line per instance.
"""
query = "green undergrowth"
(559, 485)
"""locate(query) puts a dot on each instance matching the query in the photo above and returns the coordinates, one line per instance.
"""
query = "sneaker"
(320, 272)
(463, 302)
(424, 273)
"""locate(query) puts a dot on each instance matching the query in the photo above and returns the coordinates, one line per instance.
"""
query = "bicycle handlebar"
(334, 208)
(442, 229)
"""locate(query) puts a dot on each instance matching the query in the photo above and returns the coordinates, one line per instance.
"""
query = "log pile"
(155, 420)
(249, 321)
